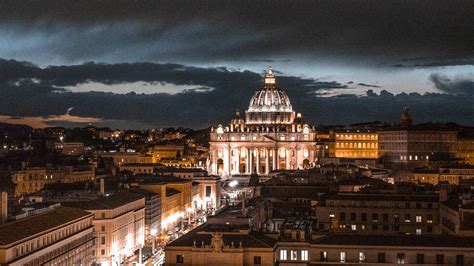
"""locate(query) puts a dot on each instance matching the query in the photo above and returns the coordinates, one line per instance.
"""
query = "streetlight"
(153, 232)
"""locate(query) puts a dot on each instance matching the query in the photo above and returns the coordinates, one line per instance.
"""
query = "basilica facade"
(269, 137)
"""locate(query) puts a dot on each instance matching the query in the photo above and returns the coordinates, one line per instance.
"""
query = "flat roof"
(107, 203)
(24, 228)
(203, 233)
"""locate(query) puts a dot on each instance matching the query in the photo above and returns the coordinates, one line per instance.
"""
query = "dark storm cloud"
(205, 31)
(368, 85)
(457, 86)
(27, 90)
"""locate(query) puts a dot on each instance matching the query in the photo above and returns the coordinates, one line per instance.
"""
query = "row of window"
(381, 204)
(294, 254)
(358, 145)
(381, 258)
(385, 217)
(375, 227)
(357, 136)
(50, 238)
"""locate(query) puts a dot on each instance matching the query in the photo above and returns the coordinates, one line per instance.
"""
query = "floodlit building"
(356, 144)
(119, 225)
(54, 235)
(270, 137)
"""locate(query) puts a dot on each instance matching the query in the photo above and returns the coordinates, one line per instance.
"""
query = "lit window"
(283, 254)
(343, 256)
(294, 255)
(354, 227)
(418, 231)
(324, 256)
(401, 258)
(362, 256)
(304, 255)
(331, 215)
(418, 218)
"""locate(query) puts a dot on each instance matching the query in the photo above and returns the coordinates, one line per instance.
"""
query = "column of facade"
(267, 161)
(258, 161)
(214, 161)
(237, 161)
(250, 161)
(275, 159)
(226, 161)
(287, 159)
(247, 161)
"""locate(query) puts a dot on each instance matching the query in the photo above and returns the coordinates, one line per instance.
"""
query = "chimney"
(4, 207)
(102, 186)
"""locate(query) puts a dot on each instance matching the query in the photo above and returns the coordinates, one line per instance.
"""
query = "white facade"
(272, 137)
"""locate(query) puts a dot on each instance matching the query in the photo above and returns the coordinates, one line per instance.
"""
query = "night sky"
(194, 63)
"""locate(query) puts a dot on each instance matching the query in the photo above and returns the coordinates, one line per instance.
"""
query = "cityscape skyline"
(236, 132)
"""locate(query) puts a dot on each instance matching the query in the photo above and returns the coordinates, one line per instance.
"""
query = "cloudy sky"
(194, 63)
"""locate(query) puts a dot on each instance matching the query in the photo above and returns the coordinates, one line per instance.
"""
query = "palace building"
(270, 137)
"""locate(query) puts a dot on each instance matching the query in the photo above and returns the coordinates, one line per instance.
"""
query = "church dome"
(270, 98)
(270, 104)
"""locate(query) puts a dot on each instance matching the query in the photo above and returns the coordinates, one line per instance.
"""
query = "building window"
(102, 215)
(381, 257)
(293, 254)
(179, 258)
(283, 254)
(342, 216)
(429, 229)
(364, 217)
(407, 218)
(396, 218)
(208, 191)
(102, 240)
(354, 227)
(257, 260)
(375, 227)
(304, 255)
(102, 252)
(418, 218)
(429, 218)
(460, 259)
(439, 259)
(323, 256)
(362, 256)
(401, 258)
(343, 256)
(420, 258)
(375, 217)
(418, 231)
(385, 217)
(102, 228)
(353, 216)
(385, 227)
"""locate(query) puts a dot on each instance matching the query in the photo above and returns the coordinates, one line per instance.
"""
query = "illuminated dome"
(270, 104)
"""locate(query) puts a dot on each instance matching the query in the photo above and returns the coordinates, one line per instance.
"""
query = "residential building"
(386, 213)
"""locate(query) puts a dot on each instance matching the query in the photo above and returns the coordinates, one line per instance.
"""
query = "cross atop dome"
(269, 77)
